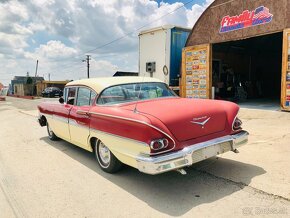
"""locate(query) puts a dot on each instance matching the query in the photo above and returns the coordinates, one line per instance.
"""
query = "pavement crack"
(242, 185)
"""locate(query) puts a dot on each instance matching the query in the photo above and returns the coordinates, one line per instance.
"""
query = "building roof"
(23, 79)
(207, 28)
(54, 82)
(99, 84)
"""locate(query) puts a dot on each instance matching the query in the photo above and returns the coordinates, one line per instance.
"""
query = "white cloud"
(55, 50)
(70, 28)
(102, 68)
(195, 12)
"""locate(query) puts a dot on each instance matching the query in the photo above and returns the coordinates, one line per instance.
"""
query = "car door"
(61, 114)
(79, 119)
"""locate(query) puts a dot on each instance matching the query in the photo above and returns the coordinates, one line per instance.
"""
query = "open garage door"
(248, 71)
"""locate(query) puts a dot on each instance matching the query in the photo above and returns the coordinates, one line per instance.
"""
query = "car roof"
(99, 84)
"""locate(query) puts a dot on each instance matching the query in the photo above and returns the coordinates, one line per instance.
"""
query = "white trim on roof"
(99, 84)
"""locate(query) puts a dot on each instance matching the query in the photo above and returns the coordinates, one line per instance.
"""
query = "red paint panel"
(178, 116)
(81, 119)
(131, 129)
(172, 116)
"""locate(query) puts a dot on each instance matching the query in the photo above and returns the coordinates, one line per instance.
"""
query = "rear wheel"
(106, 159)
(50, 133)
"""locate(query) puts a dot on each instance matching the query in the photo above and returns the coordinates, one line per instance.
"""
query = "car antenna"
(135, 109)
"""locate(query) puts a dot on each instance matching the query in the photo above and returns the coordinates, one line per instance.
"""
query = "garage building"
(242, 49)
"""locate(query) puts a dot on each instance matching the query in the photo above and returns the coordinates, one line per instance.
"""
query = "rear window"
(134, 92)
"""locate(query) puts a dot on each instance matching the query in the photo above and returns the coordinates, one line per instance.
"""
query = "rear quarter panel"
(125, 133)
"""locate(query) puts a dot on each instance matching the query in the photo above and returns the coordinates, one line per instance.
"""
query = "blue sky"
(183, 1)
(59, 33)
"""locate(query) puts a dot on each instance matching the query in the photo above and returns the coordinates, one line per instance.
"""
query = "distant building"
(24, 85)
(121, 73)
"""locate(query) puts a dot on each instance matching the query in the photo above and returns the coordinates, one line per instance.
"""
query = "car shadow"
(169, 193)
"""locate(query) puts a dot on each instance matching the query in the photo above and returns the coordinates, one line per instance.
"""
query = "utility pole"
(88, 64)
(49, 77)
(34, 91)
(36, 68)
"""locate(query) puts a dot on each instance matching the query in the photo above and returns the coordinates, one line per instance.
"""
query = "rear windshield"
(134, 92)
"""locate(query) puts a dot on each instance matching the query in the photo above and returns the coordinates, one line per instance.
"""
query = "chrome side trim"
(73, 122)
(121, 137)
(55, 117)
(134, 102)
(190, 154)
(81, 112)
(60, 118)
(141, 122)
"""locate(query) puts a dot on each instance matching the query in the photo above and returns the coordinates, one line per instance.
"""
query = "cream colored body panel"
(59, 126)
(79, 134)
(126, 150)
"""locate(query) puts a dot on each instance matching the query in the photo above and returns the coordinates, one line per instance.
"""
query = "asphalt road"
(41, 178)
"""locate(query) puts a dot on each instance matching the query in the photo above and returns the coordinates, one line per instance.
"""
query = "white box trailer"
(160, 52)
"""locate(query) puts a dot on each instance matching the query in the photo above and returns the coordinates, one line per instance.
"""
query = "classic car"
(51, 92)
(142, 123)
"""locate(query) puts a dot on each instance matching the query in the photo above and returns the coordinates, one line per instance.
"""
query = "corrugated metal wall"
(206, 29)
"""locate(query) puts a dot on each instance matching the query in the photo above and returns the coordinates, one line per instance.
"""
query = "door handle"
(81, 123)
(84, 113)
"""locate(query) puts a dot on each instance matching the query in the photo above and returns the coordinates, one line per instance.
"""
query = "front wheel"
(106, 159)
(50, 133)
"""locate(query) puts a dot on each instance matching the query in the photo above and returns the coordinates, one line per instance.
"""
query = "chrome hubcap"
(49, 130)
(104, 153)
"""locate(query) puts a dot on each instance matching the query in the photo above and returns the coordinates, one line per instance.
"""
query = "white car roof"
(99, 84)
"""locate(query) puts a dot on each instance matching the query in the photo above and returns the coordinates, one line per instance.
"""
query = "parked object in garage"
(52, 92)
(142, 123)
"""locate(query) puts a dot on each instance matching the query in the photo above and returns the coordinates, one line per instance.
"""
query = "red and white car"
(140, 122)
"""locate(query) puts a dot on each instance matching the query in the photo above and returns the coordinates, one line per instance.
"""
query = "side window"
(93, 97)
(84, 95)
(71, 95)
(112, 95)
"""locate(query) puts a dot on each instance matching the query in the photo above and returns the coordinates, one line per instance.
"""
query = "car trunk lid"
(186, 118)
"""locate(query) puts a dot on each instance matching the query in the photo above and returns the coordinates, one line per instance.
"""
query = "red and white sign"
(259, 16)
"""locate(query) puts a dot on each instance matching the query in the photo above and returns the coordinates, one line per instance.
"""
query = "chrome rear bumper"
(191, 154)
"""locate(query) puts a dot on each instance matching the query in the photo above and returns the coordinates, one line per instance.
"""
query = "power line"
(139, 28)
(68, 65)
(127, 34)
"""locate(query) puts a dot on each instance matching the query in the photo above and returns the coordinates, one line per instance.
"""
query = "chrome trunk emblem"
(195, 121)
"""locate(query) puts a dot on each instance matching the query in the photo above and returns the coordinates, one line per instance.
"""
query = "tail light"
(237, 124)
(159, 144)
